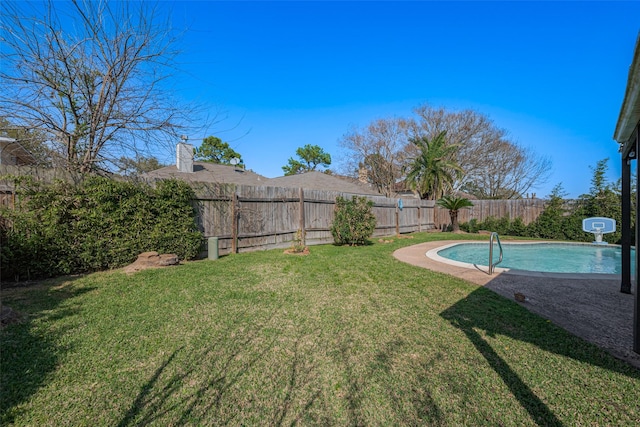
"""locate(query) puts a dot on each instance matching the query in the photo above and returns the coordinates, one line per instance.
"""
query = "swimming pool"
(543, 257)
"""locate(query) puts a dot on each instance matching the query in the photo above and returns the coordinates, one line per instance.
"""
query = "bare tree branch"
(493, 166)
(377, 152)
(92, 75)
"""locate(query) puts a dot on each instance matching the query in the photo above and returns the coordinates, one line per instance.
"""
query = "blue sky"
(286, 74)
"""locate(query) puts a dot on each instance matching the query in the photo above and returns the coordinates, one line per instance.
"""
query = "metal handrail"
(492, 266)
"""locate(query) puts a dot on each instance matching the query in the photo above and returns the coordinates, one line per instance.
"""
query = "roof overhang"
(10, 146)
(630, 111)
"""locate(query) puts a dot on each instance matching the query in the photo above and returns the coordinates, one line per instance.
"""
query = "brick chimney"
(184, 157)
(363, 175)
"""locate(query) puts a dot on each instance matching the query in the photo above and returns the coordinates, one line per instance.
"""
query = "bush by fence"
(560, 220)
(354, 221)
(246, 218)
(96, 224)
(525, 209)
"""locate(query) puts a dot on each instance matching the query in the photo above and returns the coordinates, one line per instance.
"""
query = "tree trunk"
(455, 227)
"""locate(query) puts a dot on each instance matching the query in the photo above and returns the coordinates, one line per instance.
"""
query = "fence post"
(234, 223)
(302, 219)
(397, 220)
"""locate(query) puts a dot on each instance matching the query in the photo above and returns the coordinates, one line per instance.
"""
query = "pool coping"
(432, 253)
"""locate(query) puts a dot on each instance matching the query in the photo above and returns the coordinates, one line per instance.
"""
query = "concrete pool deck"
(589, 306)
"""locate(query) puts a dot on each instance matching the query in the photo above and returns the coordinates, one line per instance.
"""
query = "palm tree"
(454, 204)
(433, 172)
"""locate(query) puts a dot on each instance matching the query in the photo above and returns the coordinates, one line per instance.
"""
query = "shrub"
(549, 224)
(517, 227)
(572, 228)
(503, 226)
(297, 245)
(499, 225)
(471, 226)
(354, 221)
(97, 224)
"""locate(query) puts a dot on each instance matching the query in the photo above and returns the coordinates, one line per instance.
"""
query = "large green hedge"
(561, 220)
(97, 224)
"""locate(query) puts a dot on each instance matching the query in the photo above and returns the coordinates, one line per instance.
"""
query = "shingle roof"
(215, 173)
(210, 172)
(11, 148)
(321, 181)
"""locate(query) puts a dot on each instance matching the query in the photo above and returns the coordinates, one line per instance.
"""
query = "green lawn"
(343, 336)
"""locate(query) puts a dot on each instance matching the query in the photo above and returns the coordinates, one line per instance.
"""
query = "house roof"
(215, 173)
(630, 111)
(210, 172)
(321, 181)
(11, 148)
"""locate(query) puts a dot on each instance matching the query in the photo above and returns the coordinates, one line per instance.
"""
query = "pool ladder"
(492, 265)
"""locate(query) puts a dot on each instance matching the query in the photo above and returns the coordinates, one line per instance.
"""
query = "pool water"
(550, 257)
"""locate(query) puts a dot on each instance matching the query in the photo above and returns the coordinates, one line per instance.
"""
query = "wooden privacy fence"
(526, 209)
(246, 218)
(45, 175)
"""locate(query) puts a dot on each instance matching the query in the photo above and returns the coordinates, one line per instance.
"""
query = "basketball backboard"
(599, 225)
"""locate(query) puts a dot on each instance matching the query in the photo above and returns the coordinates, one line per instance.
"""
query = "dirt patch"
(8, 316)
(302, 252)
(151, 260)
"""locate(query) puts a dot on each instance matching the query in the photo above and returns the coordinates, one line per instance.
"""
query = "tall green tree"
(310, 157)
(214, 150)
(434, 170)
(599, 183)
(604, 199)
(132, 167)
(551, 223)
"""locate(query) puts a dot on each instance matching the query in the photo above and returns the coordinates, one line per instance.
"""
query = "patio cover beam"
(625, 286)
(626, 134)
(636, 304)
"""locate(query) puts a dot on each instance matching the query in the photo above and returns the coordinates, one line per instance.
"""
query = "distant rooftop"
(14, 154)
(212, 173)
(215, 173)
(321, 181)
